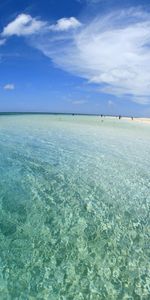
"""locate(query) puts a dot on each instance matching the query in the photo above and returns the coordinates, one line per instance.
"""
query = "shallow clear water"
(74, 208)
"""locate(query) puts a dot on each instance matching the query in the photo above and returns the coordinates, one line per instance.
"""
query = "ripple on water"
(74, 201)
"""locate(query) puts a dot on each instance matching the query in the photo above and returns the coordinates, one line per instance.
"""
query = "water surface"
(74, 208)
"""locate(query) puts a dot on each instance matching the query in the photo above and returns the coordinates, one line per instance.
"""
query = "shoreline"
(138, 120)
(144, 120)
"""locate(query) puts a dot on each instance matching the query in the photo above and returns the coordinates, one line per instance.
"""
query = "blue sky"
(82, 56)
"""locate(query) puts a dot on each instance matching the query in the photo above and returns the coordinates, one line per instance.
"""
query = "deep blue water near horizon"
(74, 208)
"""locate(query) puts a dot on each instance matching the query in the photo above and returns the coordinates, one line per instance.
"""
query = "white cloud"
(141, 100)
(65, 24)
(9, 87)
(23, 25)
(111, 51)
(110, 103)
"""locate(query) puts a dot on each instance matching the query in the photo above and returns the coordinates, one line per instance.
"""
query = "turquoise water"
(74, 208)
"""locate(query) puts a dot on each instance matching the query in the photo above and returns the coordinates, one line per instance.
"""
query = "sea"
(74, 208)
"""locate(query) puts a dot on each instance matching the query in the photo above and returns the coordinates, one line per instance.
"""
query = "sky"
(75, 56)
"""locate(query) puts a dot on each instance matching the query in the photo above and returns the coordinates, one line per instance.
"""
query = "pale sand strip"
(140, 120)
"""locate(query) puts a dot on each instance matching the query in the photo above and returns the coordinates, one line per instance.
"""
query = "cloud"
(9, 87)
(65, 24)
(112, 51)
(79, 102)
(110, 103)
(23, 25)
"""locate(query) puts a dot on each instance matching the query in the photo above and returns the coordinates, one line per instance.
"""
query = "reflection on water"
(74, 203)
